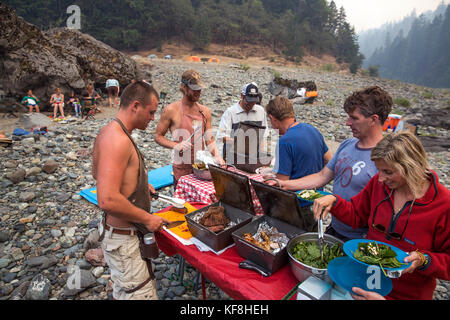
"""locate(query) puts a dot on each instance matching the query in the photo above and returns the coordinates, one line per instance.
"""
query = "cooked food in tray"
(215, 219)
(268, 238)
(199, 166)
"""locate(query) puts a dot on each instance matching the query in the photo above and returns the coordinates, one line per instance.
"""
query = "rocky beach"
(48, 232)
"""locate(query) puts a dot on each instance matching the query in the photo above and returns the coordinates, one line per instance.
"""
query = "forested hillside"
(289, 27)
(420, 56)
(373, 39)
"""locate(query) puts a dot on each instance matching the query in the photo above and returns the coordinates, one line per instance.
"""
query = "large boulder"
(96, 60)
(42, 61)
(33, 120)
(433, 116)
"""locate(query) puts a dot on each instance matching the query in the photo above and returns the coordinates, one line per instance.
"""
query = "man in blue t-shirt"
(351, 167)
(301, 150)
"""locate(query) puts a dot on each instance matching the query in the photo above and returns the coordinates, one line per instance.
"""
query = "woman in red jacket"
(406, 206)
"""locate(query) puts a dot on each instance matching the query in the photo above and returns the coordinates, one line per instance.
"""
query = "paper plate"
(351, 246)
(347, 274)
(182, 230)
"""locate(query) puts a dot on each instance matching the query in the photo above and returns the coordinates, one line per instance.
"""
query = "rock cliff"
(43, 60)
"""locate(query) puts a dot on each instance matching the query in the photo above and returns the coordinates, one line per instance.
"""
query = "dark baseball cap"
(251, 92)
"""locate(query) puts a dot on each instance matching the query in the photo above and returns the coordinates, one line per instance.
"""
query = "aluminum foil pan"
(269, 234)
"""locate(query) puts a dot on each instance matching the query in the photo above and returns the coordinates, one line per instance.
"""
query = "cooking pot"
(302, 271)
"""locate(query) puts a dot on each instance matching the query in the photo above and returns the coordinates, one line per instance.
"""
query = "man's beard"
(193, 97)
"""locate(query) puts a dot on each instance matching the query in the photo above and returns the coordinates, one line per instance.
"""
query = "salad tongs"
(320, 234)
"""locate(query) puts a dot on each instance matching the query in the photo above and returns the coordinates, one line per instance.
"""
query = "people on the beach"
(248, 110)
(190, 125)
(301, 150)
(113, 88)
(123, 195)
(31, 101)
(351, 166)
(90, 97)
(74, 101)
(403, 205)
(57, 102)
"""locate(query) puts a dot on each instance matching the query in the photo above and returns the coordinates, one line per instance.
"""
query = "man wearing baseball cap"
(190, 125)
(248, 109)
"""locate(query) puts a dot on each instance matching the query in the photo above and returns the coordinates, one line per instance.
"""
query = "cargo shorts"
(128, 270)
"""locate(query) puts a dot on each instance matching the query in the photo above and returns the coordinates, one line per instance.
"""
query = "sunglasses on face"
(250, 102)
(382, 229)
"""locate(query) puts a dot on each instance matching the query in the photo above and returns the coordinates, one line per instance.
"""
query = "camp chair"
(88, 109)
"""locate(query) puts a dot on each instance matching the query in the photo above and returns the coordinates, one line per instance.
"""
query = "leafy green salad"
(309, 253)
(309, 195)
(377, 254)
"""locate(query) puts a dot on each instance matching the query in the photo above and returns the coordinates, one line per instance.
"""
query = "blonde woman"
(406, 206)
(57, 102)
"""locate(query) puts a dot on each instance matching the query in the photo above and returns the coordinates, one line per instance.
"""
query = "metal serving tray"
(265, 260)
(233, 192)
(282, 210)
(284, 205)
(222, 239)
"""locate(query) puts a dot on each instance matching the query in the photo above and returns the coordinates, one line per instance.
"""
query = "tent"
(213, 60)
(194, 59)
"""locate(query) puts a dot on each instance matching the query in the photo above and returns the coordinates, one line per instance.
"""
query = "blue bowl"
(352, 245)
(305, 203)
(347, 274)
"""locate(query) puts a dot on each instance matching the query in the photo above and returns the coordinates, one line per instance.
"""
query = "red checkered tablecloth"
(191, 189)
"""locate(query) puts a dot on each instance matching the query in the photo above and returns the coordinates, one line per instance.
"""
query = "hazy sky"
(367, 14)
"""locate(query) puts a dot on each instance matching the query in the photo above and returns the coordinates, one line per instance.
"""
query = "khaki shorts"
(128, 270)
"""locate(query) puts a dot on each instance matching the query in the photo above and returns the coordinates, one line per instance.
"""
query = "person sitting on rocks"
(75, 102)
(31, 101)
(91, 97)
(57, 102)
